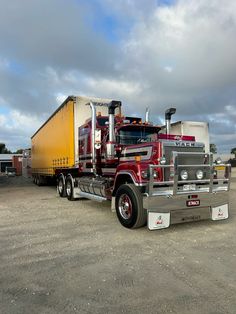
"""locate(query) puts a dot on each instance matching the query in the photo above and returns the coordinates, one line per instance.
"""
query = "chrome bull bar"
(175, 186)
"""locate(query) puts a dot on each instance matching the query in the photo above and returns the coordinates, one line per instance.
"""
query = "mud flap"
(220, 212)
(158, 220)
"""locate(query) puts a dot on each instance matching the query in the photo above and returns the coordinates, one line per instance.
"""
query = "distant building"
(5, 161)
(11, 160)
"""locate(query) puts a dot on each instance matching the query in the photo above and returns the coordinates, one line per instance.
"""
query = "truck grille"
(185, 160)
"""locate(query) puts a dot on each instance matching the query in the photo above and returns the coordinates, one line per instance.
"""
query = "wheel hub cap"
(125, 206)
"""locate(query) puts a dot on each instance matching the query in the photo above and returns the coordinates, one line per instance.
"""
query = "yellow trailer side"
(53, 143)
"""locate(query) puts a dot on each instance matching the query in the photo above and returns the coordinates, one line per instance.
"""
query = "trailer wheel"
(129, 206)
(61, 186)
(39, 180)
(69, 187)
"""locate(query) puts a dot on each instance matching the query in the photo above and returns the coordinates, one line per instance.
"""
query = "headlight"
(155, 174)
(163, 160)
(184, 175)
(199, 174)
(144, 174)
(218, 160)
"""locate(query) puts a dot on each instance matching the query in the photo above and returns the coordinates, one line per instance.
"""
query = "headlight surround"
(184, 175)
(199, 174)
(163, 160)
(144, 174)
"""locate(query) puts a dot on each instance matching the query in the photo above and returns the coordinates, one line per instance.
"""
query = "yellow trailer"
(55, 143)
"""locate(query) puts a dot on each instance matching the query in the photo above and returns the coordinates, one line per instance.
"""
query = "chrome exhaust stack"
(169, 112)
(112, 139)
(147, 115)
(94, 118)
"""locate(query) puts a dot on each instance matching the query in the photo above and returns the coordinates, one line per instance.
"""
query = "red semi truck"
(150, 177)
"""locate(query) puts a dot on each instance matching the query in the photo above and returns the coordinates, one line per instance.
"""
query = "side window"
(83, 139)
(84, 129)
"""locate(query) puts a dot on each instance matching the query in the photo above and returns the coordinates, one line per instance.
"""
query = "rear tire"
(129, 207)
(69, 188)
(37, 181)
(61, 186)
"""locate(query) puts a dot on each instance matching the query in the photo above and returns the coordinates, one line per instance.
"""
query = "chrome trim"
(111, 128)
(92, 197)
(182, 143)
(173, 185)
(131, 176)
(169, 203)
(109, 170)
(93, 108)
(128, 150)
(147, 115)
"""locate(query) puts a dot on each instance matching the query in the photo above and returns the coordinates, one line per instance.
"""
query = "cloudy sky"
(156, 53)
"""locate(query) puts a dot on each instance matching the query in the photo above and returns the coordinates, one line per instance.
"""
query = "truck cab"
(149, 176)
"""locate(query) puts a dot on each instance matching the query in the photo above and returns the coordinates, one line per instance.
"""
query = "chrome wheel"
(125, 206)
(68, 188)
(60, 186)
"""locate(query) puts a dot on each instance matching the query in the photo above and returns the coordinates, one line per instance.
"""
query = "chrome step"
(92, 197)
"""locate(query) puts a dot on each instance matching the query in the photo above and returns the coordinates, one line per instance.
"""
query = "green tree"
(3, 149)
(19, 151)
(233, 151)
(213, 148)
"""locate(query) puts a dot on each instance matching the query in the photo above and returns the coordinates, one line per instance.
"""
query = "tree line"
(5, 150)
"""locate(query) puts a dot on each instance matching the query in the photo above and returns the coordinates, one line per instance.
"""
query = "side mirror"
(98, 139)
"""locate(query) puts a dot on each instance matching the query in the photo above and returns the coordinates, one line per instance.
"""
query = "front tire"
(129, 207)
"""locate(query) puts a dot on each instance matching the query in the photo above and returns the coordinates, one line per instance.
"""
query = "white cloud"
(168, 69)
(16, 128)
(2, 119)
(114, 87)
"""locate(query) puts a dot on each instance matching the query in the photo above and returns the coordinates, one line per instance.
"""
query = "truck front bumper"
(172, 209)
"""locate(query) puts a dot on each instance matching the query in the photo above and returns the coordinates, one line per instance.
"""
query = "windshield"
(137, 135)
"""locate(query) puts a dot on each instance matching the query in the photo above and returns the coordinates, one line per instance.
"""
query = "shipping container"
(17, 163)
(200, 130)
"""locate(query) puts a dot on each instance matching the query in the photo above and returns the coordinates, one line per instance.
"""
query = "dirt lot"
(58, 256)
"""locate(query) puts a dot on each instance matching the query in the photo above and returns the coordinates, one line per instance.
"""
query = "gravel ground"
(58, 256)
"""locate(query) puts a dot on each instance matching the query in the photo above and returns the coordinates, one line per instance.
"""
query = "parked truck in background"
(95, 152)
(200, 130)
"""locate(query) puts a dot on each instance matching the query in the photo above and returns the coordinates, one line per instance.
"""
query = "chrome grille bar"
(213, 185)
